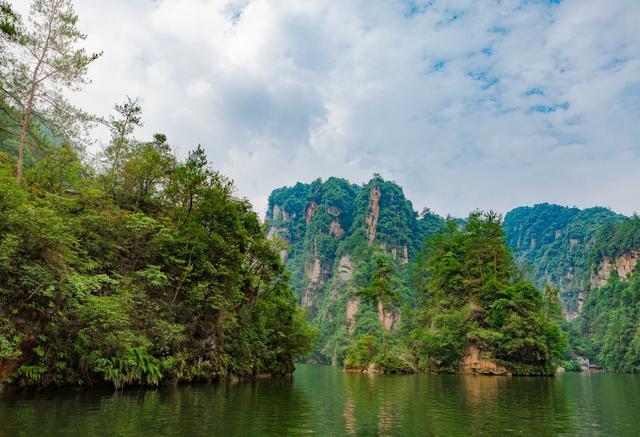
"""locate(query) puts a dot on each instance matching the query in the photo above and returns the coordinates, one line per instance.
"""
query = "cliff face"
(623, 264)
(374, 212)
(477, 362)
(332, 230)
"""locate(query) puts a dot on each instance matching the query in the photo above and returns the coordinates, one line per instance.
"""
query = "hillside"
(552, 244)
(608, 331)
(336, 236)
(331, 230)
(143, 271)
(362, 262)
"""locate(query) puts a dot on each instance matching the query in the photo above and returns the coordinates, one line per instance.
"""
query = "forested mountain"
(608, 330)
(332, 230)
(480, 310)
(138, 267)
(553, 244)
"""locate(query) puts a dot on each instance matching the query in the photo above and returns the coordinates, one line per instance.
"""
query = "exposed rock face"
(314, 274)
(310, 212)
(573, 314)
(404, 258)
(372, 218)
(275, 232)
(353, 305)
(391, 317)
(332, 210)
(476, 362)
(336, 230)
(345, 268)
(624, 264)
(279, 213)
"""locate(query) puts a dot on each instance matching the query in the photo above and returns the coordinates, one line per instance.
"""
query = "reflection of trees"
(387, 417)
(531, 405)
(326, 401)
(481, 391)
(375, 404)
(274, 407)
(349, 414)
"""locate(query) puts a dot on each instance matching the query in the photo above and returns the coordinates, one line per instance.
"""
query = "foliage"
(362, 352)
(167, 276)
(608, 331)
(615, 239)
(327, 221)
(476, 297)
(553, 244)
(38, 63)
(381, 290)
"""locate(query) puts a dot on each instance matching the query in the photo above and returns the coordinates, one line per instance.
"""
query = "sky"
(465, 104)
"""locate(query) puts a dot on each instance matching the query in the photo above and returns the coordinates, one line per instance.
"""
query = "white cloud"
(467, 104)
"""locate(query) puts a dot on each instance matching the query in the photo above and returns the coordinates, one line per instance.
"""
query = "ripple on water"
(322, 400)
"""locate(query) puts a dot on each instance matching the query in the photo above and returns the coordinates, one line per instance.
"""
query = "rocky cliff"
(623, 264)
(332, 229)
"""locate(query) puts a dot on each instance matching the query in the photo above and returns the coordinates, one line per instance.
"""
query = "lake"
(323, 400)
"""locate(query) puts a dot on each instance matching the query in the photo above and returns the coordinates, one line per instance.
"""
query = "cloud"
(489, 104)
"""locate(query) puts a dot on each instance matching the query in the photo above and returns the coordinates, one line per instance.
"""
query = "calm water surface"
(323, 400)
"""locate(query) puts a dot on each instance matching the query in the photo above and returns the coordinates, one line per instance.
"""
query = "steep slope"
(608, 331)
(552, 243)
(332, 230)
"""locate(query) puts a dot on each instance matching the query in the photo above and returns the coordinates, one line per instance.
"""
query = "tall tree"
(122, 142)
(382, 289)
(46, 62)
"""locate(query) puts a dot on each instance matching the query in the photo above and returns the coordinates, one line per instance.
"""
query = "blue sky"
(466, 104)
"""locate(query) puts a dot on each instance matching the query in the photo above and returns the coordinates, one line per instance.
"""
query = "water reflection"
(325, 401)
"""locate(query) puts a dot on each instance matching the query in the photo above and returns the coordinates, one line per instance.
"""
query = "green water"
(325, 401)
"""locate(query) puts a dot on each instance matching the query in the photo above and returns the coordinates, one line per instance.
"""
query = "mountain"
(608, 331)
(552, 244)
(332, 229)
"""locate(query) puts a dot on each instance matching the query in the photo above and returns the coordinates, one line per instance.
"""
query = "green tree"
(44, 63)
(382, 289)
(475, 297)
(121, 146)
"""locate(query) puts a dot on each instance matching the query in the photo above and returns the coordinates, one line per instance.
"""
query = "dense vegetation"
(553, 243)
(329, 224)
(555, 247)
(476, 297)
(378, 298)
(609, 329)
(138, 268)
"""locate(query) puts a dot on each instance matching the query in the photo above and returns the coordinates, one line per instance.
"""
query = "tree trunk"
(23, 139)
(384, 331)
(32, 92)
